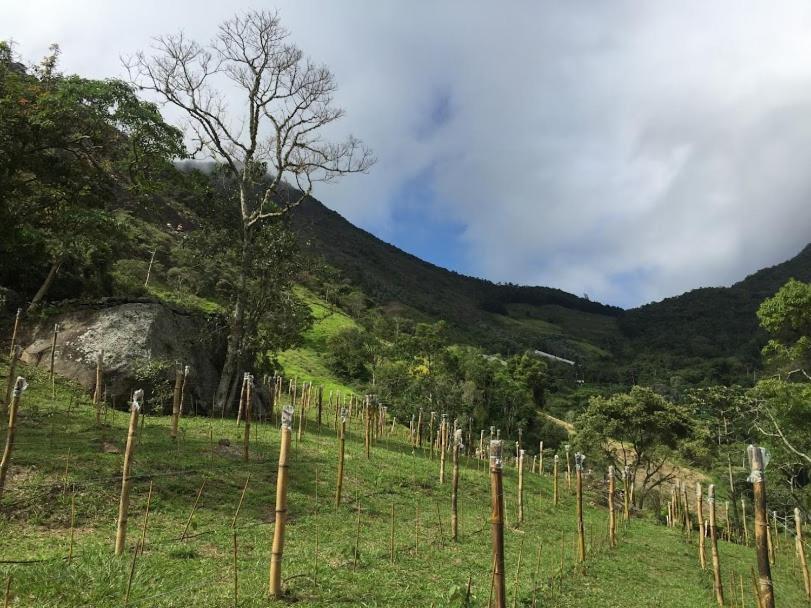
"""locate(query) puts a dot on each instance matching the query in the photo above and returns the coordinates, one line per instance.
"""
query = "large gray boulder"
(132, 335)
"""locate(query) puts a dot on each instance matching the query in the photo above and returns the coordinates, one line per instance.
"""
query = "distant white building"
(554, 357)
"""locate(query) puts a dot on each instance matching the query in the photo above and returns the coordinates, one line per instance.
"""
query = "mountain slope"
(712, 330)
(500, 317)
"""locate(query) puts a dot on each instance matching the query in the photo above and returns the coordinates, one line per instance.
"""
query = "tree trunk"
(46, 285)
(234, 342)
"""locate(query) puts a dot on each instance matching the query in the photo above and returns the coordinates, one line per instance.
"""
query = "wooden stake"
(391, 539)
(757, 477)
(7, 594)
(357, 541)
(612, 521)
(19, 386)
(246, 439)
(99, 385)
(341, 445)
(555, 493)
(518, 566)
(716, 567)
(53, 354)
(581, 531)
(702, 559)
(520, 462)
(497, 522)
(12, 369)
(275, 579)
(800, 546)
(455, 487)
(193, 510)
(131, 576)
(17, 319)
(241, 499)
(540, 459)
(176, 402)
(126, 482)
(142, 542)
(236, 570)
(72, 525)
(442, 447)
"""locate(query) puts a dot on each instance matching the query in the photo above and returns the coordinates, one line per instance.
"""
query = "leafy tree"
(286, 107)
(350, 354)
(69, 147)
(787, 318)
(639, 429)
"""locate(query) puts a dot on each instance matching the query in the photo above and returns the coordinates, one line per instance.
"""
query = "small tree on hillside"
(640, 429)
(284, 105)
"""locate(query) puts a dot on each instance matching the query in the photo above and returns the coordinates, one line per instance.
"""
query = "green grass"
(306, 361)
(652, 566)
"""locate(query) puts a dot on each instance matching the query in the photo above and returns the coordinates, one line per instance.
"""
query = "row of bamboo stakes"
(765, 536)
(375, 424)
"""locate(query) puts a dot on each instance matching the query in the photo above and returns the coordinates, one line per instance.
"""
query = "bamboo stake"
(391, 539)
(341, 446)
(315, 525)
(236, 570)
(757, 477)
(518, 566)
(53, 356)
(800, 546)
(612, 520)
(176, 402)
(142, 542)
(17, 319)
(193, 510)
(568, 469)
(19, 387)
(72, 525)
(535, 578)
(555, 493)
(416, 529)
(126, 482)
(520, 462)
(12, 369)
(242, 390)
(442, 447)
(241, 499)
(457, 444)
(497, 522)
(99, 385)
(131, 576)
(540, 459)
(357, 540)
(275, 579)
(246, 439)
(716, 568)
(581, 532)
(702, 559)
(7, 594)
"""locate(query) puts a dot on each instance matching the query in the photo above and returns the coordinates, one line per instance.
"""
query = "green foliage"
(787, 318)
(350, 354)
(640, 429)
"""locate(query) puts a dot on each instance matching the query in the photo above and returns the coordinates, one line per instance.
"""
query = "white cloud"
(627, 150)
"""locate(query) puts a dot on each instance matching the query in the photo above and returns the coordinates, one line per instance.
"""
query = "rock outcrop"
(132, 335)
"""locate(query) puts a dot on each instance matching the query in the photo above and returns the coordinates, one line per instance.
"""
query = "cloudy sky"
(627, 150)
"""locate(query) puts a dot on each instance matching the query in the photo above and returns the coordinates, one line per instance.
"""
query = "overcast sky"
(630, 151)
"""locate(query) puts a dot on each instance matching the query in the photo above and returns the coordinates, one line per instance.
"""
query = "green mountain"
(707, 333)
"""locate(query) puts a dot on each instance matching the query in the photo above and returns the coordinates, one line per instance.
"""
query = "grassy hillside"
(307, 360)
(61, 455)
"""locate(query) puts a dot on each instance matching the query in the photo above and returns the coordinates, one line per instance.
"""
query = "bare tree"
(286, 101)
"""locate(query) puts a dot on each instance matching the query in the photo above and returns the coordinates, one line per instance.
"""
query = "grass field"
(62, 454)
